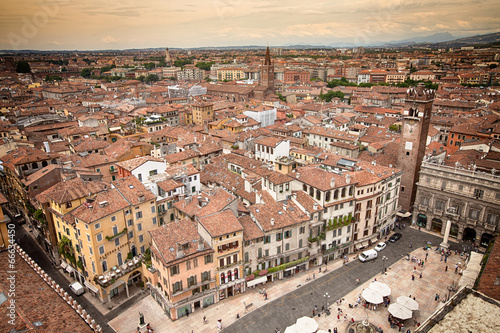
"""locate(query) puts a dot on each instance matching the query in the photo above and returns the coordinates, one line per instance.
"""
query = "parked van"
(368, 255)
(77, 288)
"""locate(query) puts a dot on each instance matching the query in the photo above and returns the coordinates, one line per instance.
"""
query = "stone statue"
(141, 319)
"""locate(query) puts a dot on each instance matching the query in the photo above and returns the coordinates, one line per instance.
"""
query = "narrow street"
(32, 248)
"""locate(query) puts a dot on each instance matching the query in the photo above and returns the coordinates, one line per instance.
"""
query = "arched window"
(318, 194)
(235, 274)
(259, 255)
(300, 243)
(246, 257)
(304, 188)
(44, 164)
(229, 276)
(172, 217)
(311, 191)
(336, 195)
(327, 196)
(351, 191)
(34, 165)
(222, 278)
(343, 192)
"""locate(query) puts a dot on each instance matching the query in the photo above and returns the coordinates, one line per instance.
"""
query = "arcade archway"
(485, 239)
(421, 220)
(454, 230)
(436, 225)
(469, 235)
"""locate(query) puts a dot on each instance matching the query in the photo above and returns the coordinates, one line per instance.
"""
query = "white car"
(380, 246)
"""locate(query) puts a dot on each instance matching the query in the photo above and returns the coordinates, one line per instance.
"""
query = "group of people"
(149, 329)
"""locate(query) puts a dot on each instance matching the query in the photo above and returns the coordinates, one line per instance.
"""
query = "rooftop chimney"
(348, 179)
(272, 221)
(180, 251)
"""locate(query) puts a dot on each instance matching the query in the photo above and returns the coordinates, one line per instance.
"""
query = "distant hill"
(434, 38)
(493, 38)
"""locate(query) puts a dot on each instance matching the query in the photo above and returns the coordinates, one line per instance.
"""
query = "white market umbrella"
(381, 288)
(372, 296)
(407, 302)
(399, 311)
(306, 325)
(291, 329)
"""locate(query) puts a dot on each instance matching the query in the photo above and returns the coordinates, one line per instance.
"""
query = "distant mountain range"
(438, 40)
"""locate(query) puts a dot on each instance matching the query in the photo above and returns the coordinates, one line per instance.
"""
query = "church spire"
(268, 57)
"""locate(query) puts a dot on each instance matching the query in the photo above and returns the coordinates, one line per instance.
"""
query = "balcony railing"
(114, 274)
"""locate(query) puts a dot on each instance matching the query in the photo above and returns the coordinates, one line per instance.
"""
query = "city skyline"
(67, 25)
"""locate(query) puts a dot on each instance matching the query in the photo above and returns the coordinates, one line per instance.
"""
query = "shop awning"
(64, 264)
(69, 269)
(403, 214)
(257, 281)
(91, 286)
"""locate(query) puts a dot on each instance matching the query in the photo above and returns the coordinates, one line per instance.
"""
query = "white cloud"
(109, 40)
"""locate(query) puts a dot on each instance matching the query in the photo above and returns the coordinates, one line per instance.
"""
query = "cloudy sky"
(121, 24)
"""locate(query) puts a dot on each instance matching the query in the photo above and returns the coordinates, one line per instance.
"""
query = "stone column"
(446, 235)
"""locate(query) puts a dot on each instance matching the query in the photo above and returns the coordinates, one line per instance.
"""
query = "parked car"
(397, 236)
(368, 255)
(19, 218)
(77, 288)
(380, 246)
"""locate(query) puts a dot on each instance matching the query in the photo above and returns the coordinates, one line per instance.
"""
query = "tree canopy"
(23, 66)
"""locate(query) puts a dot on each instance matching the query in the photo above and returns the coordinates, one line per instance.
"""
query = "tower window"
(407, 153)
(402, 188)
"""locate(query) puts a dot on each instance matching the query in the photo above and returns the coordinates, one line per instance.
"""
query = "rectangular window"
(143, 249)
(174, 270)
(113, 218)
(101, 249)
(138, 215)
(474, 214)
(279, 236)
(139, 227)
(209, 258)
(97, 226)
(117, 242)
(278, 249)
(130, 235)
(188, 265)
(130, 223)
(115, 230)
(141, 238)
(99, 237)
(478, 194)
(88, 237)
(153, 209)
(90, 250)
(154, 220)
(267, 239)
(195, 262)
(288, 234)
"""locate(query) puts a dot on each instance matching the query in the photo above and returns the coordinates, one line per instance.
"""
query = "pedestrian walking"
(420, 274)
(441, 258)
(436, 298)
(413, 277)
(445, 258)
(345, 317)
(446, 268)
(314, 313)
(265, 297)
(335, 330)
(314, 276)
(426, 255)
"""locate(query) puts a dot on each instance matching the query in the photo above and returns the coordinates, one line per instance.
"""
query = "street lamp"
(326, 300)
(384, 259)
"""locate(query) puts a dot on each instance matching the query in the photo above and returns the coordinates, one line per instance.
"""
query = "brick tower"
(267, 72)
(416, 119)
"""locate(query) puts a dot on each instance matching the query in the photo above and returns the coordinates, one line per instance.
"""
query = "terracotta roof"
(35, 301)
(166, 239)
(105, 203)
(73, 189)
(219, 224)
(250, 229)
(133, 190)
(134, 163)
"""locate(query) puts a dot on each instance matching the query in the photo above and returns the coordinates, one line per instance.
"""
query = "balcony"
(490, 227)
(471, 222)
(113, 170)
(116, 272)
(230, 265)
(438, 212)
